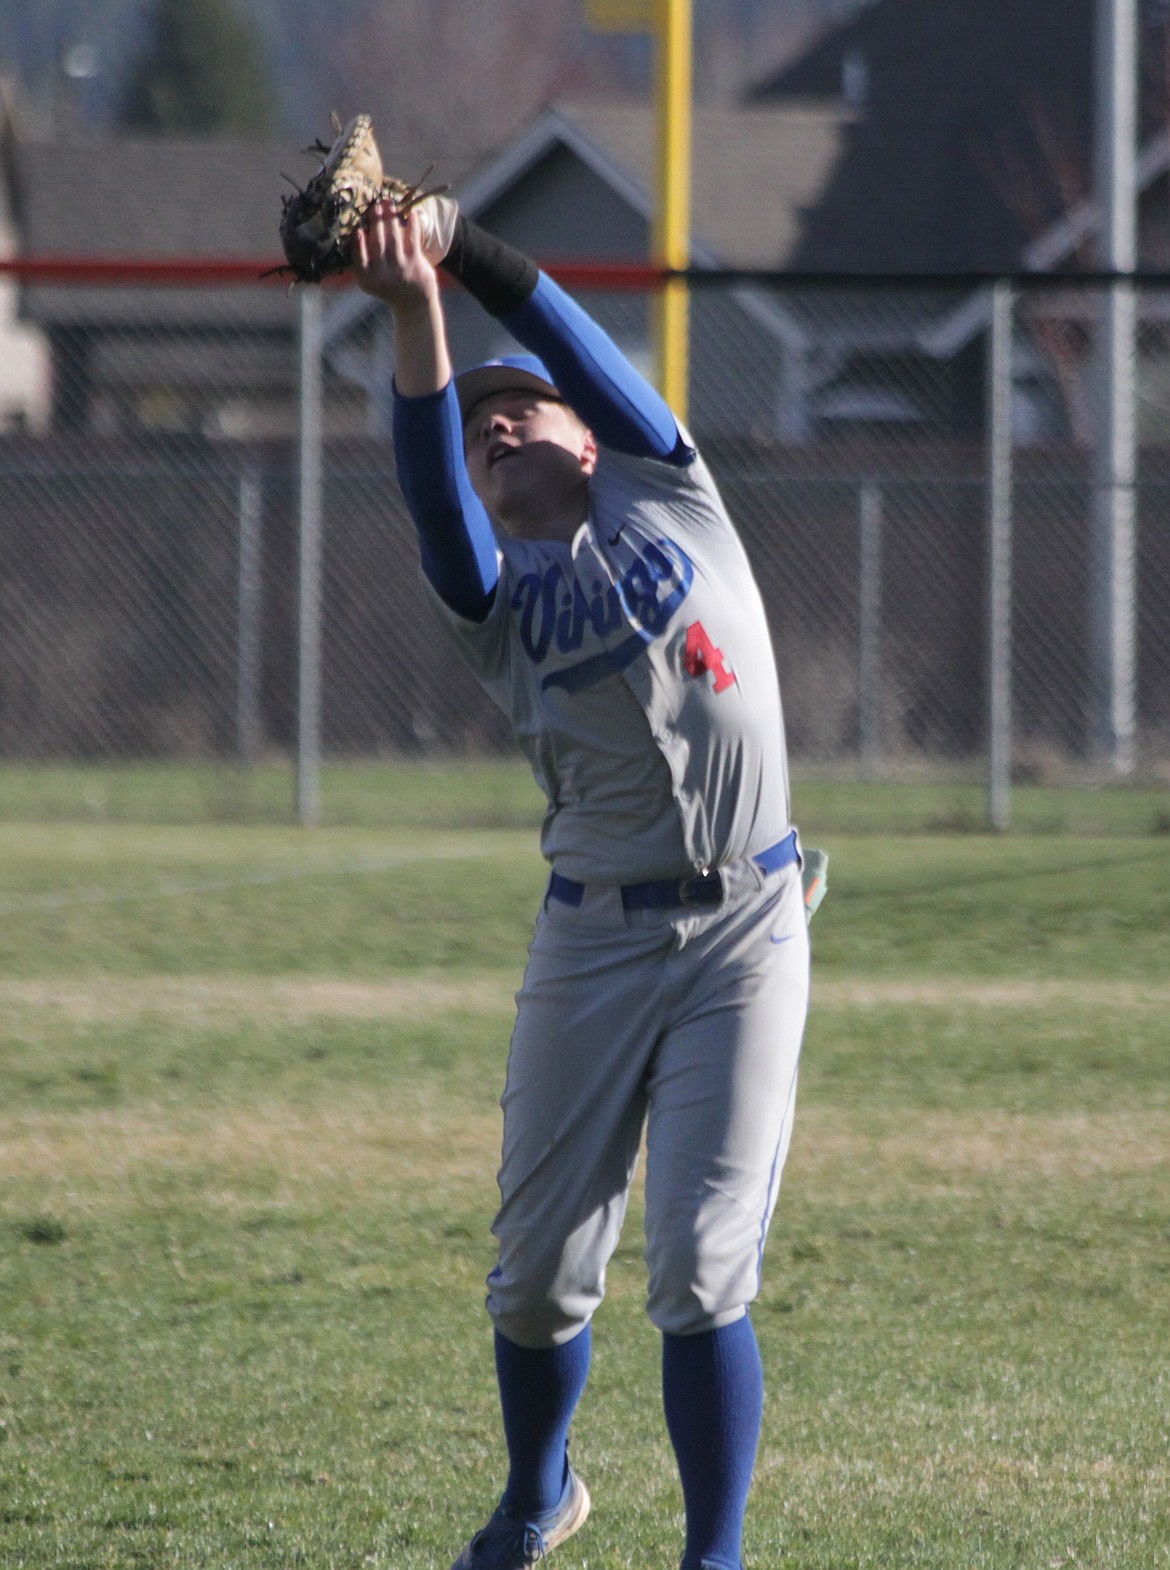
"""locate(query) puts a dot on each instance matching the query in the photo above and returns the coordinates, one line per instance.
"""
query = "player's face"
(529, 459)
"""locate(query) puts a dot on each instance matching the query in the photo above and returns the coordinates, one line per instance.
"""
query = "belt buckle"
(705, 888)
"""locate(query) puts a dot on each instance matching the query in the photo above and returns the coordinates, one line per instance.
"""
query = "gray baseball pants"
(688, 1024)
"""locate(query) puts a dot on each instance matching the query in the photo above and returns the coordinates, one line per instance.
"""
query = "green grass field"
(248, 1134)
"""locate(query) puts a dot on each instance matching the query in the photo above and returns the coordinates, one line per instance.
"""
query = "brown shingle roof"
(112, 196)
(754, 170)
(143, 198)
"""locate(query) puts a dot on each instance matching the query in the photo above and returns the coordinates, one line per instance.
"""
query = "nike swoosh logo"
(784, 939)
(614, 538)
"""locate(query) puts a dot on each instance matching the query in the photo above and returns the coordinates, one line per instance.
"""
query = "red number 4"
(702, 656)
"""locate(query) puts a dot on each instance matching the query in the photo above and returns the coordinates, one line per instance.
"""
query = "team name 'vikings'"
(648, 592)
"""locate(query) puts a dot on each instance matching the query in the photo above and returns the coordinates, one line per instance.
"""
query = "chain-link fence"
(168, 494)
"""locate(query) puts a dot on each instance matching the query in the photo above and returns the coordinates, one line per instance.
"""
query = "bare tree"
(1041, 184)
(447, 80)
(1047, 186)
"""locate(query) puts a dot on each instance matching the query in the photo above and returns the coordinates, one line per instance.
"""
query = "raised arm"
(615, 401)
(456, 542)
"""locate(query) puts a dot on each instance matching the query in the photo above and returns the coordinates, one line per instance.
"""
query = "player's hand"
(389, 259)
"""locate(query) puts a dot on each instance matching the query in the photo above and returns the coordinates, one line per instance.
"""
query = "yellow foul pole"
(672, 222)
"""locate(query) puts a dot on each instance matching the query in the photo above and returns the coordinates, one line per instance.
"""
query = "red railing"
(633, 276)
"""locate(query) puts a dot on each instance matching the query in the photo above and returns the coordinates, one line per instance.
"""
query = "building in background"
(969, 149)
(577, 186)
(912, 135)
(218, 361)
(971, 134)
(24, 358)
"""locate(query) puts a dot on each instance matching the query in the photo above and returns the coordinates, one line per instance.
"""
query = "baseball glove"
(318, 222)
(814, 878)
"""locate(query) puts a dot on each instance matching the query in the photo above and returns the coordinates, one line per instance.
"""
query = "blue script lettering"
(534, 593)
(577, 613)
(552, 610)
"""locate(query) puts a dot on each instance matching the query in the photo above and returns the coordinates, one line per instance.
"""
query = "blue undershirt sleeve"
(456, 542)
(620, 407)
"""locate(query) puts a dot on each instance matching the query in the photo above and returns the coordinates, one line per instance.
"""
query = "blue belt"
(705, 888)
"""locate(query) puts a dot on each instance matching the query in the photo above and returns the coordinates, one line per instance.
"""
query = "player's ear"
(588, 451)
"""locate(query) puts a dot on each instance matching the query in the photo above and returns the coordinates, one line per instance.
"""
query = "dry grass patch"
(364, 1145)
(957, 991)
(286, 999)
(831, 1147)
(362, 1148)
(296, 999)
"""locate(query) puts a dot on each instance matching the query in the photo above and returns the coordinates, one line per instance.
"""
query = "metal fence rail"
(203, 552)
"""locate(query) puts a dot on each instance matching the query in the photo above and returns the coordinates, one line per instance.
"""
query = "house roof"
(969, 149)
(972, 125)
(754, 171)
(120, 197)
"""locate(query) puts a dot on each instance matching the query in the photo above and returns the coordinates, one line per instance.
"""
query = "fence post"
(248, 620)
(308, 773)
(1113, 572)
(999, 556)
(869, 624)
(1113, 569)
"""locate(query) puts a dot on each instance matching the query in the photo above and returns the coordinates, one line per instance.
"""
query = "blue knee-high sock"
(713, 1392)
(539, 1391)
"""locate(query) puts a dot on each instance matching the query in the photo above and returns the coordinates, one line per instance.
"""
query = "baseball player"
(576, 547)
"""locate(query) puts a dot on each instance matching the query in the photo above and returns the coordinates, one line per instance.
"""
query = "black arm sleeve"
(500, 277)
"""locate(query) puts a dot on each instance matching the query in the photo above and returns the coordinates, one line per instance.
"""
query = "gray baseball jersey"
(680, 764)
